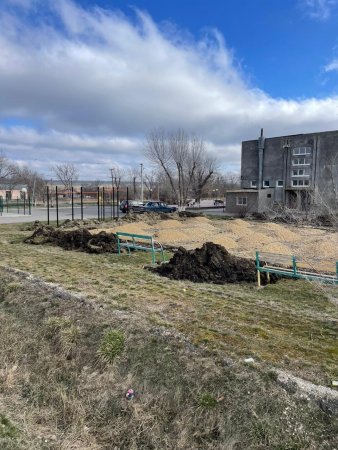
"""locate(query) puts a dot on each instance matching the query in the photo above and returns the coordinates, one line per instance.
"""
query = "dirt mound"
(76, 239)
(211, 263)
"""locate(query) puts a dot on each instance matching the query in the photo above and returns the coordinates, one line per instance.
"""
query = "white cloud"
(318, 9)
(96, 82)
(332, 66)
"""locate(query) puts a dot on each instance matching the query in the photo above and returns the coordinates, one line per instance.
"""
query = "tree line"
(178, 167)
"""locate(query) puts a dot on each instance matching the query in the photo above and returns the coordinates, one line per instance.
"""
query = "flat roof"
(293, 135)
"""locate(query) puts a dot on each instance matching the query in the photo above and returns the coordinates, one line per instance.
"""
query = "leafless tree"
(151, 180)
(134, 175)
(8, 170)
(34, 182)
(67, 174)
(182, 159)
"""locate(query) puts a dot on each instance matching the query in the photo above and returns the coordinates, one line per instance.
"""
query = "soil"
(74, 239)
(211, 263)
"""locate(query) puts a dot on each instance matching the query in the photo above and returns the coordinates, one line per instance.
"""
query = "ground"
(184, 349)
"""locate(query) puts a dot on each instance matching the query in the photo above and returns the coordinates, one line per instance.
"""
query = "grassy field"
(183, 352)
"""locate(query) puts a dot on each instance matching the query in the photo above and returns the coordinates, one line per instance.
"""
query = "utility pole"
(141, 182)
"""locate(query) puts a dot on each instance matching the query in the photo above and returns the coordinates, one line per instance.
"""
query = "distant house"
(296, 171)
(12, 193)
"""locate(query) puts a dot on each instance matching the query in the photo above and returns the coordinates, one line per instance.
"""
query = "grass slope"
(57, 391)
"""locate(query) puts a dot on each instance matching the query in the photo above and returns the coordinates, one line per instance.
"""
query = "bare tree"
(67, 174)
(34, 182)
(151, 182)
(182, 159)
(8, 170)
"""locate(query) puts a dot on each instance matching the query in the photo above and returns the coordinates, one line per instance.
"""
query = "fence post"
(81, 194)
(24, 205)
(118, 202)
(72, 203)
(294, 266)
(57, 205)
(128, 209)
(103, 205)
(113, 202)
(17, 204)
(98, 203)
(48, 205)
(29, 206)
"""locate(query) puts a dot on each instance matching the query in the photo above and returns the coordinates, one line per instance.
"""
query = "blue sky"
(282, 46)
(85, 81)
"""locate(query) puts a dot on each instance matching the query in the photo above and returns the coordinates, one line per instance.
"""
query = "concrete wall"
(321, 168)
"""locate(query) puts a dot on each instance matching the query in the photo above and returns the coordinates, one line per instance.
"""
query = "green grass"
(60, 394)
(290, 324)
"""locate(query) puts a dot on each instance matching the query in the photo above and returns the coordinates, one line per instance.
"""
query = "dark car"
(157, 207)
(130, 205)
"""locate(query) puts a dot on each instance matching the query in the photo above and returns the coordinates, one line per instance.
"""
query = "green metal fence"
(287, 266)
(15, 206)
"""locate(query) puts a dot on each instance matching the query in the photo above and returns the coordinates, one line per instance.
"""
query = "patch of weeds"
(7, 429)
(12, 287)
(112, 345)
(63, 333)
(207, 400)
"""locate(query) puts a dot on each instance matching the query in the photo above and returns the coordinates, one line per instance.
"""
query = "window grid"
(302, 151)
(300, 183)
(300, 162)
(241, 201)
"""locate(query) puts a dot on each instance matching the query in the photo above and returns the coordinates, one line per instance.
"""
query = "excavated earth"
(211, 263)
(74, 239)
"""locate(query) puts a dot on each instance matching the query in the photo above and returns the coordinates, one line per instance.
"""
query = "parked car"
(130, 205)
(157, 207)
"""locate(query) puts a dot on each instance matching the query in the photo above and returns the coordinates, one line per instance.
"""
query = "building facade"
(296, 171)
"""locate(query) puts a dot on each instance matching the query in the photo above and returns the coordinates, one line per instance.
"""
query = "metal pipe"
(57, 205)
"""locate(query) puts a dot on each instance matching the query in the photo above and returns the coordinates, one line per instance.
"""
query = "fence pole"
(128, 209)
(17, 204)
(7, 203)
(98, 203)
(72, 203)
(81, 194)
(118, 202)
(29, 206)
(57, 205)
(113, 202)
(48, 205)
(103, 205)
(24, 205)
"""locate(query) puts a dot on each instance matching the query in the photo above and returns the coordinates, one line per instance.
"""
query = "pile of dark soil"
(75, 239)
(211, 263)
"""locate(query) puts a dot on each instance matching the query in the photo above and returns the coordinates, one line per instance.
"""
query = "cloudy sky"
(85, 81)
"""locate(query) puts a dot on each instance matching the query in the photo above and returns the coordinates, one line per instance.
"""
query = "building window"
(301, 151)
(266, 183)
(300, 183)
(253, 183)
(268, 195)
(300, 162)
(280, 183)
(8, 195)
(241, 201)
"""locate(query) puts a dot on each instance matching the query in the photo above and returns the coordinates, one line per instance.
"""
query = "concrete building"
(298, 171)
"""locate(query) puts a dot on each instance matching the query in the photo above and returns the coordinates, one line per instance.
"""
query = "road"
(89, 212)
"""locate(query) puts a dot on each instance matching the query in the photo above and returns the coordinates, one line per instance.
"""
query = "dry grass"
(79, 401)
(57, 393)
